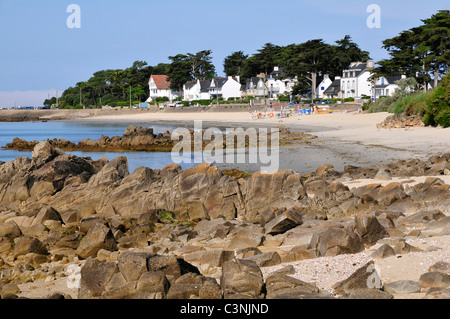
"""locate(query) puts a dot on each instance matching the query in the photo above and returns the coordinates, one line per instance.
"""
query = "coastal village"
(93, 204)
(354, 83)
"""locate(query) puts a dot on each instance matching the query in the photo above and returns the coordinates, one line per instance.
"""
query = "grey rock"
(440, 266)
(383, 251)
(95, 276)
(279, 284)
(402, 287)
(266, 259)
(98, 237)
(242, 279)
(434, 280)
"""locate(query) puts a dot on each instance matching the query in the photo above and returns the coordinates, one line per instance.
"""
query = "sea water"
(77, 131)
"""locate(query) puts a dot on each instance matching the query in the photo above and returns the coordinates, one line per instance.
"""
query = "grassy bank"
(433, 106)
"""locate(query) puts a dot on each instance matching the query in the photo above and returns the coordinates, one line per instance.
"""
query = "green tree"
(343, 53)
(419, 51)
(436, 37)
(308, 60)
(264, 61)
(179, 72)
(233, 63)
(201, 66)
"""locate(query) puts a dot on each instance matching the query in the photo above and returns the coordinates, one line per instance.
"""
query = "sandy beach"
(343, 138)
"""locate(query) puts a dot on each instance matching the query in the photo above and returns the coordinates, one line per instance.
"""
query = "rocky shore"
(71, 227)
(402, 121)
(138, 138)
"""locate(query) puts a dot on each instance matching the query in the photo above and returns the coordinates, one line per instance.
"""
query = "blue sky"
(40, 54)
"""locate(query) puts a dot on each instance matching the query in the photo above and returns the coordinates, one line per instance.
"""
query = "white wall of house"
(356, 87)
(194, 93)
(325, 84)
(155, 92)
(276, 87)
(385, 88)
(231, 89)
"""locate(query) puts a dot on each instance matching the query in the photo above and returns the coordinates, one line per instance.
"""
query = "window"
(322, 88)
(382, 81)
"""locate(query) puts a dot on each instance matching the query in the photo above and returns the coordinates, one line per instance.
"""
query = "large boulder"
(194, 286)
(278, 285)
(95, 276)
(335, 241)
(154, 283)
(242, 279)
(98, 237)
(284, 222)
(45, 214)
(366, 277)
(369, 229)
(434, 280)
(132, 265)
(10, 230)
(44, 152)
(402, 287)
(26, 244)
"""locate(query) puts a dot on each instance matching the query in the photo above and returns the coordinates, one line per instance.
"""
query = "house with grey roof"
(226, 88)
(256, 86)
(334, 89)
(355, 81)
(324, 83)
(386, 86)
(197, 90)
(278, 83)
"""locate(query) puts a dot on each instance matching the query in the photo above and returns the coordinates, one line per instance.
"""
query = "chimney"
(370, 65)
(276, 68)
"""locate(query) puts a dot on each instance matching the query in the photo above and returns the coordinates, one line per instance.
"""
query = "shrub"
(438, 105)
(284, 97)
(416, 103)
(380, 105)
(162, 99)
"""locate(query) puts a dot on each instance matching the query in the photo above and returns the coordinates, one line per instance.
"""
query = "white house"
(226, 88)
(277, 83)
(355, 81)
(256, 86)
(323, 86)
(159, 86)
(334, 89)
(197, 90)
(387, 86)
(216, 87)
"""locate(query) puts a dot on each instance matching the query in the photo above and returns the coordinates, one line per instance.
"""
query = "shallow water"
(77, 131)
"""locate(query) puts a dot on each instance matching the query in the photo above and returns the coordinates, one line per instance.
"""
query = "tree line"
(421, 53)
